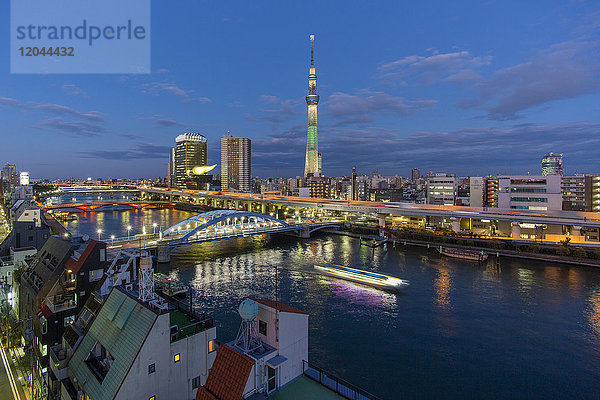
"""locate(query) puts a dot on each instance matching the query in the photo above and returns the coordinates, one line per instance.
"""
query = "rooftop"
(279, 306)
(305, 388)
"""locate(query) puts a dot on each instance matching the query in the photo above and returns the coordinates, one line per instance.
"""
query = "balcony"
(58, 362)
(55, 304)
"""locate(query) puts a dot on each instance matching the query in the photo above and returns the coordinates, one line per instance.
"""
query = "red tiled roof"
(227, 377)
(279, 306)
(204, 394)
(75, 265)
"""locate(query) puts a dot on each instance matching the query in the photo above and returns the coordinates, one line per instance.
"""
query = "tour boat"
(361, 276)
(464, 254)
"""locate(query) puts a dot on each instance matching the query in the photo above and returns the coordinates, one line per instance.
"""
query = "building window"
(262, 327)
(195, 382)
(152, 398)
(96, 275)
(176, 358)
(211, 346)
(151, 369)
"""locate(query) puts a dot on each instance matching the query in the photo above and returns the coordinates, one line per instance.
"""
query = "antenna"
(312, 56)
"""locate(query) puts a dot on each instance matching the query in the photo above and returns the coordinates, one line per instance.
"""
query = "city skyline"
(471, 97)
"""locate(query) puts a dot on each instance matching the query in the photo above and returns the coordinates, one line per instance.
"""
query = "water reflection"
(441, 287)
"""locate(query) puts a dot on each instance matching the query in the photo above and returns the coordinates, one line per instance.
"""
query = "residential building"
(236, 164)
(52, 290)
(552, 164)
(442, 189)
(573, 193)
(530, 192)
(386, 195)
(190, 152)
(171, 168)
(136, 349)
(490, 197)
(24, 178)
(592, 193)
(476, 191)
(319, 187)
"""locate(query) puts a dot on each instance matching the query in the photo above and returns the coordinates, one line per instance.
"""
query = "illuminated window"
(152, 398)
(176, 358)
(211, 346)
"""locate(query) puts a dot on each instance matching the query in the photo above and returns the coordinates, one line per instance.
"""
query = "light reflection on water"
(460, 330)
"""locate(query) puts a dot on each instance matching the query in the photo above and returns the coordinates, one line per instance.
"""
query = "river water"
(517, 329)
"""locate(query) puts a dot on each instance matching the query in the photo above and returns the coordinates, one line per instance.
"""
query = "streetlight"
(128, 230)
(154, 226)
(112, 237)
(99, 232)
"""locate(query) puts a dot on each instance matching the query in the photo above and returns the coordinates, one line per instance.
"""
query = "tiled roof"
(228, 376)
(75, 265)
(279, 306)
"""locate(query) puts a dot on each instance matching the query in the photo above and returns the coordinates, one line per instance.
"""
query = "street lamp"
(112, 237)
(128, 230)
(154, 226)
(99, 232)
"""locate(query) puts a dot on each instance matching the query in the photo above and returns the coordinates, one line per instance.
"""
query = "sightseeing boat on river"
(361, 276)
(463, 254)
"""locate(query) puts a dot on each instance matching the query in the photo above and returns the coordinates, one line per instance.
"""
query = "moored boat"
(464, 254)
(361, 276)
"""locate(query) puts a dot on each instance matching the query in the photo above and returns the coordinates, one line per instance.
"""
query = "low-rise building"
(530, 192)
(442, 189)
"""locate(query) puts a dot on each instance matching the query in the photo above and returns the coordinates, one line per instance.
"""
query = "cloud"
(284, 113)
(131, 136)
(161, 122)
(269, 99)
(57, 109)
(73, 90)
(158, 88)
(563, 71)
(360, 107)
(76, 128)
(457, 67)
(140, 151)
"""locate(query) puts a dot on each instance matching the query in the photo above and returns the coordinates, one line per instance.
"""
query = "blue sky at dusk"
(466, 87)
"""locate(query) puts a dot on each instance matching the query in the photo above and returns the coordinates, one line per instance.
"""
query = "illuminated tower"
(313, 158)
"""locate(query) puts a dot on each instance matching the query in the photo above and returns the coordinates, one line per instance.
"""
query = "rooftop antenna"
(248, 339)
(146, 282)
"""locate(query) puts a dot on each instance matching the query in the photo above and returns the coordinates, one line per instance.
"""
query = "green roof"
(121, 326)
(304, 388)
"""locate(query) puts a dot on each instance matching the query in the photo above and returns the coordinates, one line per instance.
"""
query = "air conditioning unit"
(129, 287)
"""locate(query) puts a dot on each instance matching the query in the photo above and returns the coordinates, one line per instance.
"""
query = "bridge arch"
(195, 224)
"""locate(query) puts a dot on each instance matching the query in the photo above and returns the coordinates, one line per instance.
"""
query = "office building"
(354, 186)
(236, 164)
(9, 174)
(530, 192)
(190, 153)
(313, 164)
(416, 174)
(24, 178)
(442, 189)
(476, 191)
(592, 193)
(552, 164)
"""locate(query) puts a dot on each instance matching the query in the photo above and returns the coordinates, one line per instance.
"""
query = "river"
(513, 329)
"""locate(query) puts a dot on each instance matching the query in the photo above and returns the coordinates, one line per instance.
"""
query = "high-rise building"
(552, 164)
(171, 171)
(416, 174)
(313, 164)
(9, 174)
(490, 195)
(236, 164)
(24, 178)
(476, 191)
(354, 186)
(190, 152)
(574, 193)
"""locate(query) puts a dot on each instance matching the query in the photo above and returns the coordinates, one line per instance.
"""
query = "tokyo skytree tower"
(313, 157)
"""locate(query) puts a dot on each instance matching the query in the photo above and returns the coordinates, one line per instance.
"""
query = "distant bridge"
(99, 205)
(217, 225)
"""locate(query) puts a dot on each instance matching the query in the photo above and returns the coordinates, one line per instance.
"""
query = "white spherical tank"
(248, 310)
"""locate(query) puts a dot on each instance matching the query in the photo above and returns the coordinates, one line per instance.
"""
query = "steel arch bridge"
(224, 223)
